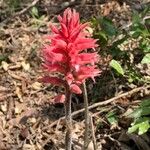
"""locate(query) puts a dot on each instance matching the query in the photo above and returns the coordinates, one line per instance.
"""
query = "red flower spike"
(66, 53)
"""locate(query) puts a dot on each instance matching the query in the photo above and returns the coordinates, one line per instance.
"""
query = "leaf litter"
(25, 104)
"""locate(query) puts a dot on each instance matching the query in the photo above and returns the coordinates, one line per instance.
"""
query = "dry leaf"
(26, 66)
(3, 107)
(19, 94)
(24, 132)
(32, 120)
(24, 116)
(28, 147)
(36, 86)
(17, 110)
(5, 65)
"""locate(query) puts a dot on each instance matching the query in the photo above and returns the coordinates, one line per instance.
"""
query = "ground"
(28, 119)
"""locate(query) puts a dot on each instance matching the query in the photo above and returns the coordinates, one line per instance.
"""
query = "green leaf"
(108, 26)
(135, 17)
(112, 118)
(145, 111)
(145, 45)
(146, 59)
(136, 113)
(102, 38)
(143, 127)
(3, 58)
(132, 129)
(103, 35)
(145, 103)
(34, 12)
(115, 65)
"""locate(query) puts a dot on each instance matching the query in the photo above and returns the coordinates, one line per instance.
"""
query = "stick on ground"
(20, 12)
(100, 104)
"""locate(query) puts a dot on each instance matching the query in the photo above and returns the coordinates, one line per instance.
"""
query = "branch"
(100, 104)
(20, 12)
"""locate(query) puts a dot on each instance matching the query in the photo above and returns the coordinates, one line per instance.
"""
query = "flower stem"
(87, 119)
(68, 138)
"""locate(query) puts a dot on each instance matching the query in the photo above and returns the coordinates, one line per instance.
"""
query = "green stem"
(87, 119)
(68, 138)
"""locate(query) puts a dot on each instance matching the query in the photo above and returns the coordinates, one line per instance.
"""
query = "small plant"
(112, 118)
(141, 117)
(37, 19)
(67, 54)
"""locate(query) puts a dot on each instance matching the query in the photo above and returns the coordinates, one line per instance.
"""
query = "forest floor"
(28, 119)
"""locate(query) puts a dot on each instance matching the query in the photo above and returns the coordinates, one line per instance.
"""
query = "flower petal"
(77, 31)
(64, 30)
(69, 78)
(86, 72)
(58, 43)
(75, 89)
(59, 99)
(50, 56)
(54, 68)
(52, 80)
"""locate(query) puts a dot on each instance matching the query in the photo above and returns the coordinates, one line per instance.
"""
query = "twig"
(20, 12)
(100, 104)
(77, 143)
(93, 133)
(113, 140)
(27, 8)
(87, 119)
(117, 97)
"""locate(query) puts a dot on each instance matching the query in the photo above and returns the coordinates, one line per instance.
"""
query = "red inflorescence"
(67, 54)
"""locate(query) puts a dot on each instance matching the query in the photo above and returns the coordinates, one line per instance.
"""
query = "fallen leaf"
(36, 85)
(32, 120)
(26, 66)
(19, 94)
(3, 107)
(17, 110)
(24, 116)
(28, 147)
(24, 133)
(5, 65)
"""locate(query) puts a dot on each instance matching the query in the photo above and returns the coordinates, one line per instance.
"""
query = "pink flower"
(59, 98)
(67, 53)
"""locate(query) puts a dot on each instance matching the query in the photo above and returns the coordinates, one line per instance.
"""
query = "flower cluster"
(67, 54)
